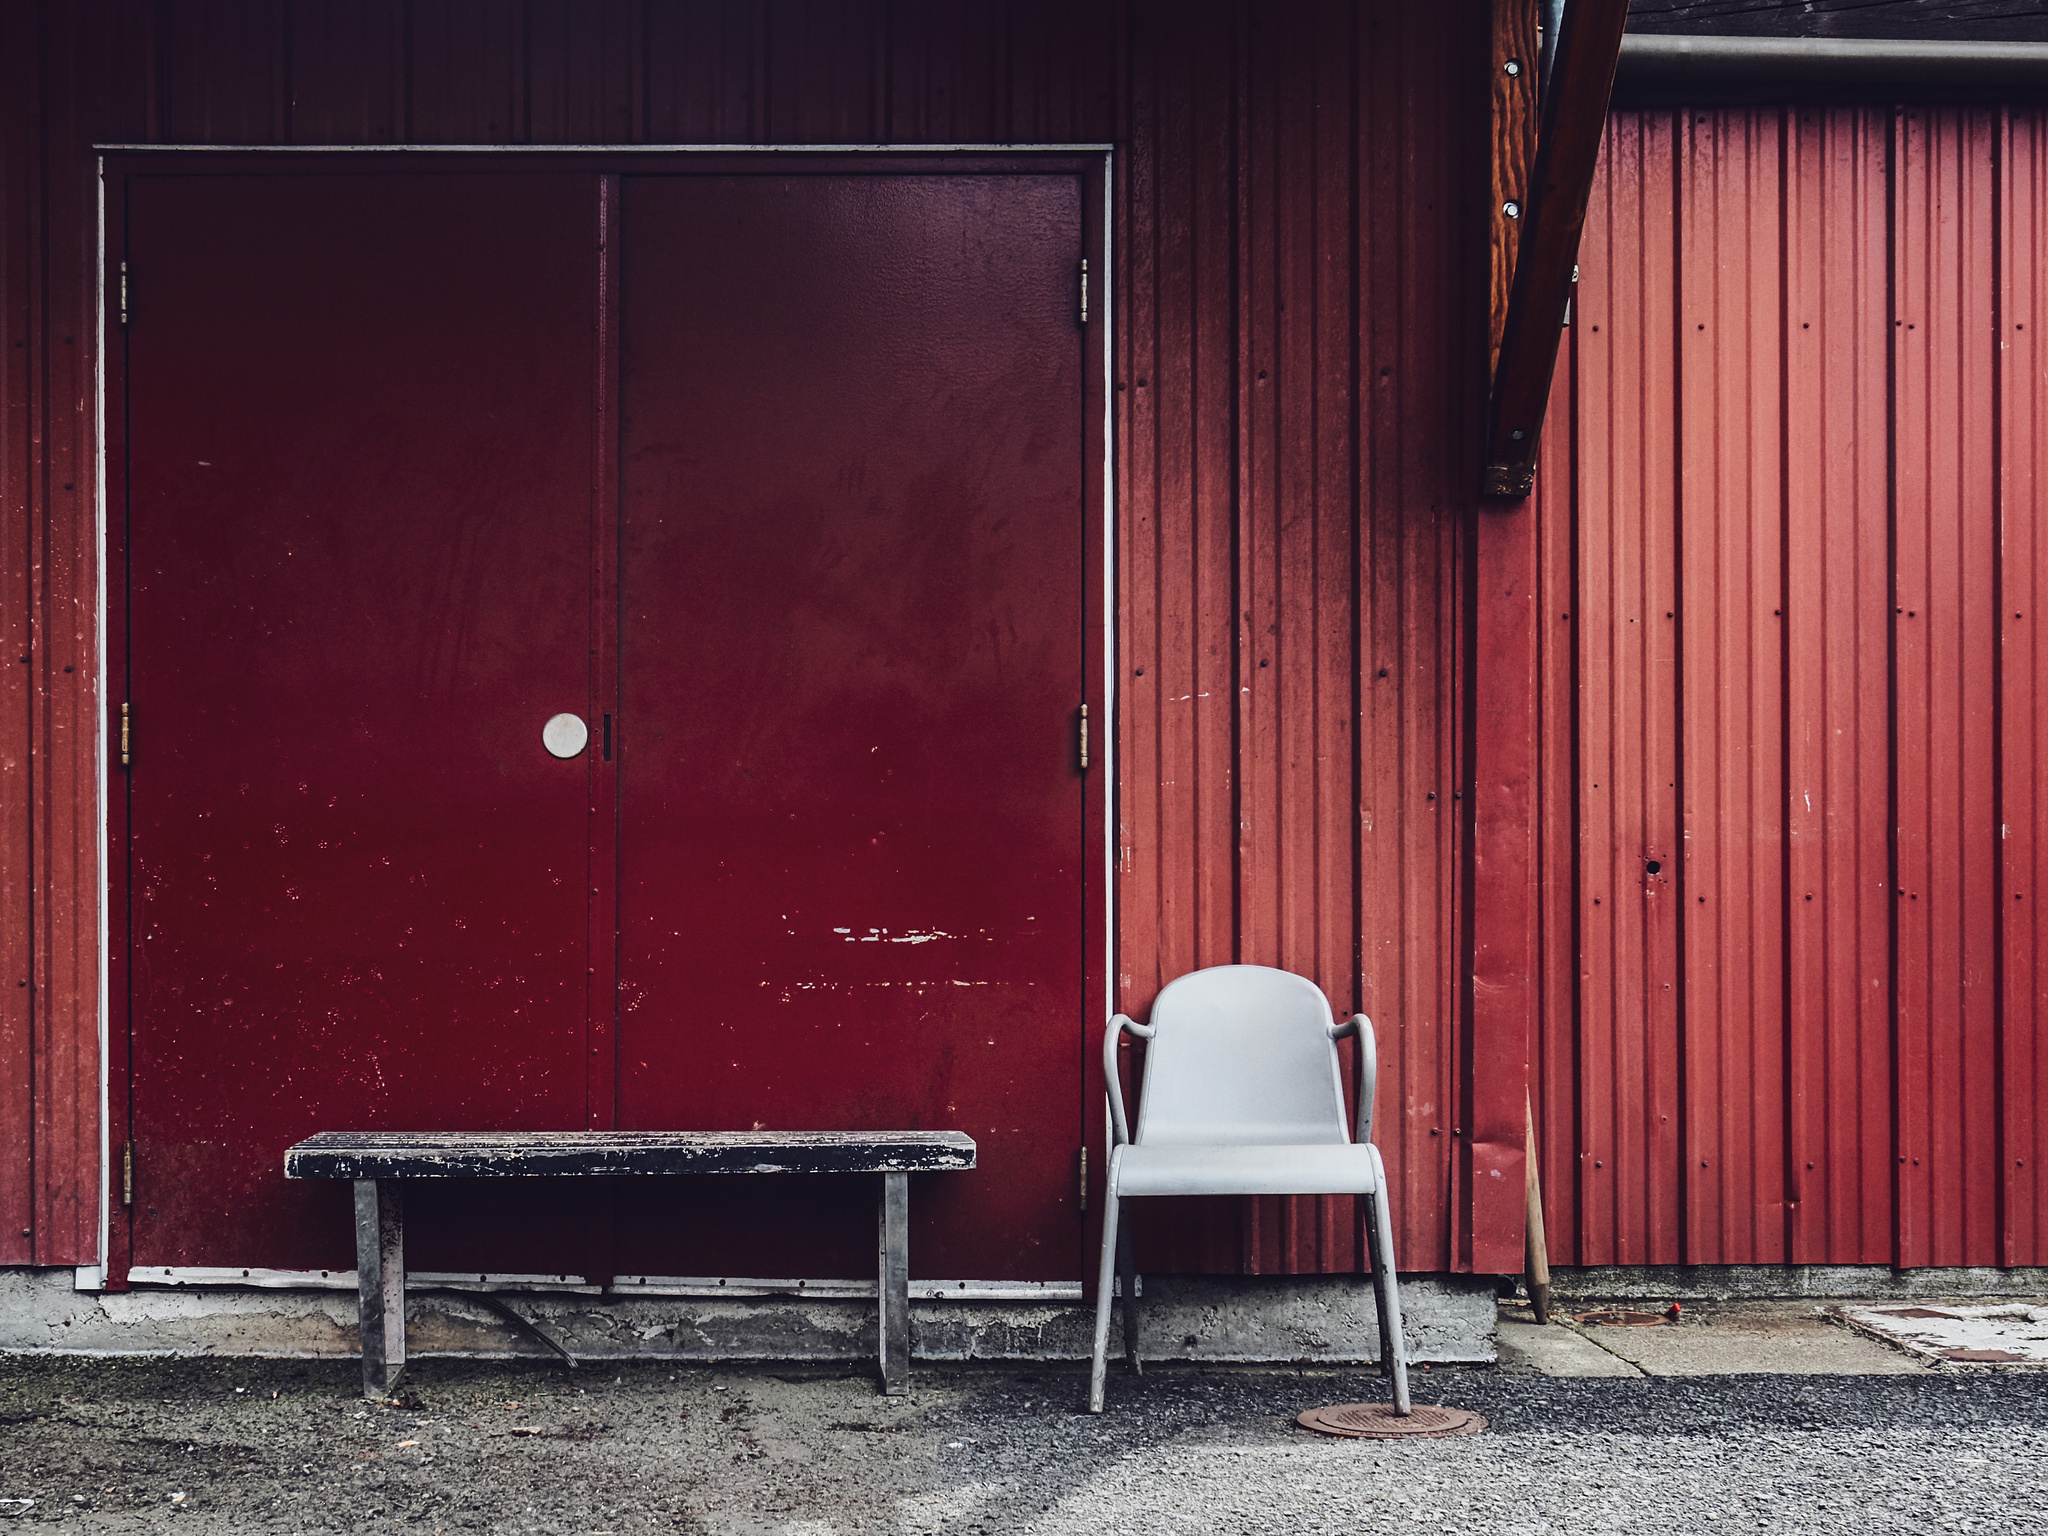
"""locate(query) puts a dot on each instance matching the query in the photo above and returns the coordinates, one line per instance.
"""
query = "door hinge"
(1084, 290)
(1084, 1179)
(127, 1173)
(124, 735)
(124, 293)
(1083, 735)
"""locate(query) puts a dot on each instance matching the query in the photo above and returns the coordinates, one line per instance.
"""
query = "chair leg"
(1127, 1275)
(1104, 1289)
(1386, 1286)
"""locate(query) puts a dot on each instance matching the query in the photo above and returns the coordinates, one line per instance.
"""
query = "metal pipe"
(1666, 70)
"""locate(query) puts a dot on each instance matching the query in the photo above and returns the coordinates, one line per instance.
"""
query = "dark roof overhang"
(1697, 70)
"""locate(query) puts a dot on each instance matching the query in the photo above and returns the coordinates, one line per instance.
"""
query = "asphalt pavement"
(248, 1445)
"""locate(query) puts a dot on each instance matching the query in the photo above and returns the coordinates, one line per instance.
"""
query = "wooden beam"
(1499, 993)
(1514, 70)
(1574, 115)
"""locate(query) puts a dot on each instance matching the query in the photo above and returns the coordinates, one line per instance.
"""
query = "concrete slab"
(1752, 1338)
(1449, 1319)
(1533, 1349)
(1980, 1333)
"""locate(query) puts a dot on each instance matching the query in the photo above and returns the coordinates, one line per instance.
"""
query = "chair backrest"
(1241, 1055)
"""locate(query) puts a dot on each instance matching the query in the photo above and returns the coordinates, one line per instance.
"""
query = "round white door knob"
(565, 736)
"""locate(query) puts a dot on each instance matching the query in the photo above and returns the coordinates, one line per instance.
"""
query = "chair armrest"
(1111, 1083)
(1368, 1070)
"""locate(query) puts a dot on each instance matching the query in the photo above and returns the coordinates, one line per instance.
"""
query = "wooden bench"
(380, 1161)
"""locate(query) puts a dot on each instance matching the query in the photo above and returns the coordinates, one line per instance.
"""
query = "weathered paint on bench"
(378, 1162)
(565, 1154)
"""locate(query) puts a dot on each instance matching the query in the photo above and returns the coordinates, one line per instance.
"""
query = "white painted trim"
(607, 149)
(696, 1286)
(92, 1277)
(709, 1286)
(201, 1277)
(253, 1279)
(1111, 832)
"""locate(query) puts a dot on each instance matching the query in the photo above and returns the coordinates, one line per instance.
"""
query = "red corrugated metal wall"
(1299, 325)
(1792, 702)
(1288, 699)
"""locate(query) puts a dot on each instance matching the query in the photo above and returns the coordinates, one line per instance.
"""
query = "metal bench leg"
(894, 1289)
(380, 1284)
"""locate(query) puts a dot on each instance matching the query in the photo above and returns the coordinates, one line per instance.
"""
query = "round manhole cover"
(1378, 1421)
(1618, 1317)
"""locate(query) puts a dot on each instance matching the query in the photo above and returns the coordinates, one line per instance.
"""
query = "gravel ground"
(255, 1445)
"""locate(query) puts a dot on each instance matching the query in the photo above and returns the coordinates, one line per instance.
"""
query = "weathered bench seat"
(378, 1163)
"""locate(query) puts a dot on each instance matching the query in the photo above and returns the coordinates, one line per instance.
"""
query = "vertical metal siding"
(1804, 449)
(1730, 679)
(1554, 1077)
(1177, 461)
(2023, 509)
(1295, 367)
(1944, 605)
(1627, 1135)
(1413, 483)
(19, 476)
(1837, 629)
(1289, 503)
(49, 889)
(1297, 495)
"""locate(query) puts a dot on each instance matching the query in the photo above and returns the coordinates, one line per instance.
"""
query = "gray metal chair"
(1243, 1096)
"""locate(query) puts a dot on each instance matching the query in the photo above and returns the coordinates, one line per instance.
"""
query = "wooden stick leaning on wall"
(1537, 1264)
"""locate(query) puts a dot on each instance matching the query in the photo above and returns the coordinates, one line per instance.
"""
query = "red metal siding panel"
(21, 476)
(826, 69)
(1944, 596)
(1179, 643)
(1731, 891)
(1854, 702)
(1062, 64)
(1412, 485)
(1629, 1148)
(1249, 440)
(1298, 508)
(223, 69)
(49, 888)
(2023, 511)
(1837, 639)
(705, 75)
(582, 81)
(1554, 1087)
(466, 70)
(946, 73)
(348, 72)
(67, 860)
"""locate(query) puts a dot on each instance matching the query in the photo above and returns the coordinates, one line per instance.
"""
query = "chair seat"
(1329, 1168)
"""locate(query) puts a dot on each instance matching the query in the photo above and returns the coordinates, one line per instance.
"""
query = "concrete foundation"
(1786, 1282)
(1448, 1318)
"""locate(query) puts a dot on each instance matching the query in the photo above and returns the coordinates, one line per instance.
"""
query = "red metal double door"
(778, 478)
